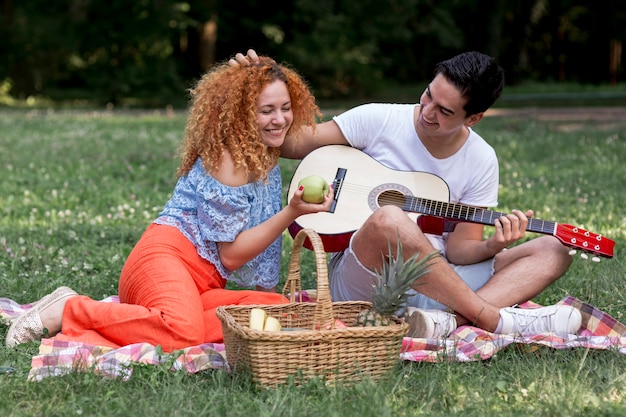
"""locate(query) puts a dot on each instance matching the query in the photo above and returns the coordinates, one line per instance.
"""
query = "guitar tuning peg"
(595, 259)
(584, 256)
(572, 252)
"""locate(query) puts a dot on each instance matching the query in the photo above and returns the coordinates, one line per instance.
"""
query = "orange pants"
(168, 297)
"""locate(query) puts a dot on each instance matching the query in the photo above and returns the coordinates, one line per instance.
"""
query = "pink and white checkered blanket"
(467, 343)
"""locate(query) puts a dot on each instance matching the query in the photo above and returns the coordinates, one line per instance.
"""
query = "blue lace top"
(207, 211)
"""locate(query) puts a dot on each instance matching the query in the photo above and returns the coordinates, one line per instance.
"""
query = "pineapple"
(392, 284)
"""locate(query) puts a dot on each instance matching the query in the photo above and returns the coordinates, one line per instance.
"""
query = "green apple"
(315, 188)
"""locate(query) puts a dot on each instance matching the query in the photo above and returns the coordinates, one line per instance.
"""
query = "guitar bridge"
(337, 184)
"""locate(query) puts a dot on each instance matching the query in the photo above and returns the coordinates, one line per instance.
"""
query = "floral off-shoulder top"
(207, 211)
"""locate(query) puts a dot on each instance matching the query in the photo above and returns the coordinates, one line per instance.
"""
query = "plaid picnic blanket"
(467, 343)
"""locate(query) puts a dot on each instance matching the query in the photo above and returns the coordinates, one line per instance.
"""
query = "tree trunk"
(207, 44)
(7, 11)
(615, 59)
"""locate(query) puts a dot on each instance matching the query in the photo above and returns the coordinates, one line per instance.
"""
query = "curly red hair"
(222, 116)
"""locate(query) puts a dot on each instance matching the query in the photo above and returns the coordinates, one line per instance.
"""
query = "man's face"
(441, 111)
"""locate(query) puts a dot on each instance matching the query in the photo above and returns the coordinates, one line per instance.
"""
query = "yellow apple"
(315, 189)
(272, 324)
(257, 318)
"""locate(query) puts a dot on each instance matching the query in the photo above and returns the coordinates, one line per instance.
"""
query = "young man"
(476, 280)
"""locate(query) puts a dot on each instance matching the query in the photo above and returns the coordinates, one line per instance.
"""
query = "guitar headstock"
(577, 238)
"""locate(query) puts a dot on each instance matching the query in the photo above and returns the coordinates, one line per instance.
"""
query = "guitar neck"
(470, 214)
(571, 236)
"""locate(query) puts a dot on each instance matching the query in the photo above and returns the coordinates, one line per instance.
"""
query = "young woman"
(223, 222)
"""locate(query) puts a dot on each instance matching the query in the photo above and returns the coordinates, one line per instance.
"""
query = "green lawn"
(78, 189)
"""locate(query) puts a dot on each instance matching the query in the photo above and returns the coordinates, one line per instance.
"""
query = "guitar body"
(359, 193)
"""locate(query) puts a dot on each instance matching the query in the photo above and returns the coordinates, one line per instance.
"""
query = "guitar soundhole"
(392, 198)
(388, 194)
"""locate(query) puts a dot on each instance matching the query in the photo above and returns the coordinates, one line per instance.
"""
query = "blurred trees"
(154, 49)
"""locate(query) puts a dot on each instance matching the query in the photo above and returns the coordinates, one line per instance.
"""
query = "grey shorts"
(351, 281)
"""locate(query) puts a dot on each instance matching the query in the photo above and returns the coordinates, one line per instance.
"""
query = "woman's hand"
(302, 207)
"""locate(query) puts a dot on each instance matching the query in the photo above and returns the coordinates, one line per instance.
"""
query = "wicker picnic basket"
(309, 345)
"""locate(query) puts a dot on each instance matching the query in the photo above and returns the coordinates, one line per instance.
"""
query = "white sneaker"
(429, 324)
(551, 319)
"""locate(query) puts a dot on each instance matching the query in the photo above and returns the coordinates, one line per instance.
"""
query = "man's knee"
(387, 218)
(550, 248)
(388, 224)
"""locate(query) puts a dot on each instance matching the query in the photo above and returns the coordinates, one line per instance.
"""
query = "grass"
(78, 189)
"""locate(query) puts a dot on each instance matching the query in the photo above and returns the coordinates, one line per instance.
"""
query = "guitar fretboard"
(469, 214)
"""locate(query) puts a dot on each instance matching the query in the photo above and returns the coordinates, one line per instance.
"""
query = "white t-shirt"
(386, 132)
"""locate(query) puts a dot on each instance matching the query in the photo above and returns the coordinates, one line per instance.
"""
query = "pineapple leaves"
(396, 278)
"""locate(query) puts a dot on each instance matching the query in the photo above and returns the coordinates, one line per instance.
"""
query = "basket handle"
(323, 317)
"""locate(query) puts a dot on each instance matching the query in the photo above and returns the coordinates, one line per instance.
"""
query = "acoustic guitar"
(362, 185)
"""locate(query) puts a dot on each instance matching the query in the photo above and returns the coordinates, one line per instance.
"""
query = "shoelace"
(532, 322)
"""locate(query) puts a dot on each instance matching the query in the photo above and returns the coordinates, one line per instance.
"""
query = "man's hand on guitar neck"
(509, 229)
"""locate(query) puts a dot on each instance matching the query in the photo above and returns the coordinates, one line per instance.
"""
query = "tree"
(112, 50)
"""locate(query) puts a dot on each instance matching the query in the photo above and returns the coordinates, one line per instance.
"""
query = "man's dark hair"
(478, 76)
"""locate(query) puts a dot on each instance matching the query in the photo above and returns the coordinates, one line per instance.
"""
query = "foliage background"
(150, 51)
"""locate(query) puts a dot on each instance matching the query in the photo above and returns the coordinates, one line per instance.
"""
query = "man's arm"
(327, 133)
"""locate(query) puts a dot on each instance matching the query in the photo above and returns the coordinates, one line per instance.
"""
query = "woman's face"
(274, 114)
